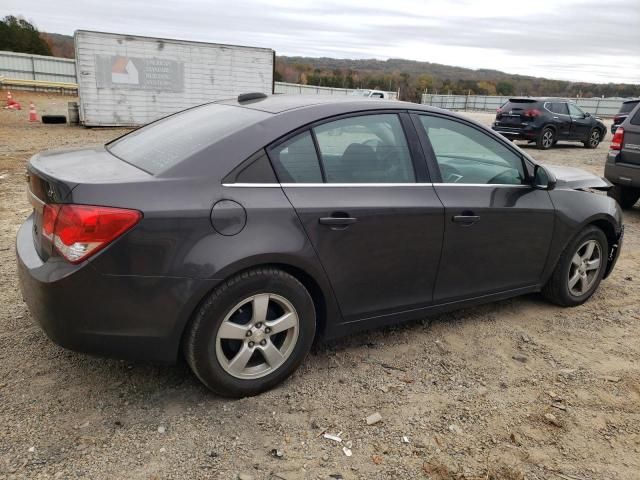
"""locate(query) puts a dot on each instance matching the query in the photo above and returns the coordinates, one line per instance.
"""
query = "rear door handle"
(466, 220)
(338, 221)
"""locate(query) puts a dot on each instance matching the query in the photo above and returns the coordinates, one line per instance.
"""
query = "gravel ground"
(511, 390)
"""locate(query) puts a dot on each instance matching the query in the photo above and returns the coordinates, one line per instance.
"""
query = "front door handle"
(466, 220)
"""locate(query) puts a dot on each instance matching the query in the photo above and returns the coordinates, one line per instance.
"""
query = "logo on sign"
(124, 71)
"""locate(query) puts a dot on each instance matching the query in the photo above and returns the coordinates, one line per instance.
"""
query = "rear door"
(360, 188)
(497, 227)
(560, 118)
(630, 152)
(580, 123)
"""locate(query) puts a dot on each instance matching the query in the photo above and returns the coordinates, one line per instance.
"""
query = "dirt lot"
(566, 407)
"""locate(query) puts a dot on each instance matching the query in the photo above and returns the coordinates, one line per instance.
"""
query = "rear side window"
(296, 161)
(365, 149)
(165, 143)
(636, 117)
(558, 107)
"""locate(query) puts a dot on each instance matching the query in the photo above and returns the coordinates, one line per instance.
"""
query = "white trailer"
(127, 80)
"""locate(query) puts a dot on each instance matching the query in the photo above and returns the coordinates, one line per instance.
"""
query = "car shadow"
(558, 146)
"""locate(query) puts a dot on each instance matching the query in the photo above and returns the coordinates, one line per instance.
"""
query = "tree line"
(411, 79)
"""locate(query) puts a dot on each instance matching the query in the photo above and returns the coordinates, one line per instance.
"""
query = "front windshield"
(361, 93)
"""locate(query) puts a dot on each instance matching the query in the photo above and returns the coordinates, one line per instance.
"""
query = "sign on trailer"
(127, 80)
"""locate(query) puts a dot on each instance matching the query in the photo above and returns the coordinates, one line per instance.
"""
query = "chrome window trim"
(482, 185)
(313, 185)
(254, 185)
(342, 185)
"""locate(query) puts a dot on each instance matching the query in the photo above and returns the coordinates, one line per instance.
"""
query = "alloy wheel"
(585, 268)
(257, 336)
(594, 139)
(547, 138)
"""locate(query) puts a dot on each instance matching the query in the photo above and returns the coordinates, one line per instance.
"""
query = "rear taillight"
(618, 138)
(79, 231)
(532, 113)
(617, 119)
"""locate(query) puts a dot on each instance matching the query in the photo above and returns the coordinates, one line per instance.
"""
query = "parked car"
(623, 161)
(545, 121)
(621, 116)
(370, 94)
(240, 231)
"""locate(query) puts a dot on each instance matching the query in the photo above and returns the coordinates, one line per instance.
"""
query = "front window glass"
(466, 155)
(365, 149)
(575, 111)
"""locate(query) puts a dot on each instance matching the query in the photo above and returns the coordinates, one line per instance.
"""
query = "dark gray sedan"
(240, 231)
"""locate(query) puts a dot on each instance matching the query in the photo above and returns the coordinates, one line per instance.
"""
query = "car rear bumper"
(625, 174)
(526, 133)
(129, 317)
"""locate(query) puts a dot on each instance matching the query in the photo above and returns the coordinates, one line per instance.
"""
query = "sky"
(577, 40)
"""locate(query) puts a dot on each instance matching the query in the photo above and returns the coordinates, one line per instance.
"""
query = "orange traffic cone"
(33, 115)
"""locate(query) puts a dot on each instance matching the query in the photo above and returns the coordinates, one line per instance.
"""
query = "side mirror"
(587, 114)
(543, 179)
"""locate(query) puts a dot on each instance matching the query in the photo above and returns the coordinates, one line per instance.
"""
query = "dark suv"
(622, 115)
(623, 162)
(547, 120)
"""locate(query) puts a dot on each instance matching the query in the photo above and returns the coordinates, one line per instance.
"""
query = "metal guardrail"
(604, 107)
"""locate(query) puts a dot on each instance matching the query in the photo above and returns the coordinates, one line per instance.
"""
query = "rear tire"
(595, 136)
(576, 276)
(233, 362)
(625, 196)
(546, 139)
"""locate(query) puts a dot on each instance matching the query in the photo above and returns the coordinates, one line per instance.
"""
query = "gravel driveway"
(511, 390)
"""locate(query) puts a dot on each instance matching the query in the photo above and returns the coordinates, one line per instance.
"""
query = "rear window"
(518, 105)
(628, 106)
(165, 143)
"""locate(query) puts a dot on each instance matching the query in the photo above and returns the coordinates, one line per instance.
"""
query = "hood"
(577, 179)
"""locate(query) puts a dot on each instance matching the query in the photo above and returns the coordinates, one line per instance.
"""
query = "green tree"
(18, 35)
(505, 88)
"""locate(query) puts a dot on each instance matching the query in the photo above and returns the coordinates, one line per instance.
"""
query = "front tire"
(546, 139)
(579, 269)
(625, 196)
(595, 136)
(251, 333)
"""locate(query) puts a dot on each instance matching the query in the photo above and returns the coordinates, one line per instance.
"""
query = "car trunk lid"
(52, 176)
(516, 112)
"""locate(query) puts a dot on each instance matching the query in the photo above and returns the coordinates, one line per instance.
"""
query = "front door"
(497, 227)
(375, 223)
(580, 123)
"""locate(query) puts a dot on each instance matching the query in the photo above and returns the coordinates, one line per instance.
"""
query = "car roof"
(281, 103)
(540, 99)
